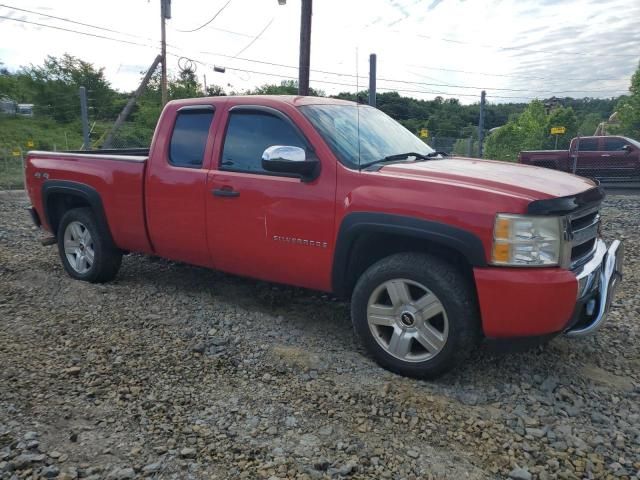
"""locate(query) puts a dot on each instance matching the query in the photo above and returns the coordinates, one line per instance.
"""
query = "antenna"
(358, 105)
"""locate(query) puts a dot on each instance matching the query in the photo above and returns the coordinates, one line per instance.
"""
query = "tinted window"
(614, 144)
(248, 136)
(189, 138)
(588, 145)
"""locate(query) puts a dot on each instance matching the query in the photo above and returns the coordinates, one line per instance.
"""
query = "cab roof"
(267, 100)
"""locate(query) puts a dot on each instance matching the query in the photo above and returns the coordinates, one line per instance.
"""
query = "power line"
(328, 82)
(446, 85)
(209, 21)
(409, 82)
(289, 77)
(527, 77)
(95, 35)
(255, 39)
(62, 19)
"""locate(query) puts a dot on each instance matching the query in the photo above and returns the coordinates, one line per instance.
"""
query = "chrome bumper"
(597, 283)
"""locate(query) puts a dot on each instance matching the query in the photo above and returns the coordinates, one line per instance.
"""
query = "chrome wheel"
(78, 247)
(407, 320)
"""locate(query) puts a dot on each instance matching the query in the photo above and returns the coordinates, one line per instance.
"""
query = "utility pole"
(132, 101)
(165, 12)
(84, 113)
(305, 47)
(483, 96)
(372, 79)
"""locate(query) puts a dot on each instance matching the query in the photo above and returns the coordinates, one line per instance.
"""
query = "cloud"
(499, 45)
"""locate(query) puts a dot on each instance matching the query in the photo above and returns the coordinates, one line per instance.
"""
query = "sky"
(516, 50)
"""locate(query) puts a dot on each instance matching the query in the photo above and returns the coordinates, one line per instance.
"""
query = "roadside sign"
(558, 130)
(30, 143)
(424, 133)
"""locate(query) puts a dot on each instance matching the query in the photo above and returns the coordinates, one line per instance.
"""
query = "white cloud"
(413, 39)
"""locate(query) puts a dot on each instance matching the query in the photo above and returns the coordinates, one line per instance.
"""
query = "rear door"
(263, 225)
(176, 183)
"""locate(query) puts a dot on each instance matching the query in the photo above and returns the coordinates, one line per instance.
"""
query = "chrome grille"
(583, 232)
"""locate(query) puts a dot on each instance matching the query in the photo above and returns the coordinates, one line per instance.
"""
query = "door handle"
(605, 155)
(225, 192)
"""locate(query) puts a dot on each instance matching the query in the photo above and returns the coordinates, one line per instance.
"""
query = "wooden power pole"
(165, 13)
(122, 116)
(305, 47)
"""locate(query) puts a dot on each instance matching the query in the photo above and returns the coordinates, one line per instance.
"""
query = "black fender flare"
(87, 193)
(353, 225)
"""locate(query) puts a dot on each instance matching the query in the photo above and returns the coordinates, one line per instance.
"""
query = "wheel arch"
(364, 238)
(60, 196)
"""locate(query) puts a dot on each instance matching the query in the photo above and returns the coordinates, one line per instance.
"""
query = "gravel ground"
(174, 371)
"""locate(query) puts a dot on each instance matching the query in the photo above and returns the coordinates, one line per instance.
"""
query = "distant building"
(25, 109)
(11, 107)
(8, 106)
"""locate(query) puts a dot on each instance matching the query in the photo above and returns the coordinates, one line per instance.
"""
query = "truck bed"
(117, 176)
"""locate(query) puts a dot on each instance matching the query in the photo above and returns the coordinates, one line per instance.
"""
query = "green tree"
(54, 87)
(628, 108)
(589, 124)
(561, 117)
(526, 132)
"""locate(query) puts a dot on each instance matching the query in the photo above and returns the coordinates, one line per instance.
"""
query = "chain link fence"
(465, 147)
(11, 169)
(609, 160)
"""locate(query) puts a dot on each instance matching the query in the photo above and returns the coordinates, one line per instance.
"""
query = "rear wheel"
(415, 314)
(85, 252)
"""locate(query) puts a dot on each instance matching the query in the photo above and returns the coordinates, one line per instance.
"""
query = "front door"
(176, 183)
(262, 225)
(618, 162)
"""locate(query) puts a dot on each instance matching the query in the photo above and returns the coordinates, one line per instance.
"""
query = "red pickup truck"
(434, 252)
(608, 158)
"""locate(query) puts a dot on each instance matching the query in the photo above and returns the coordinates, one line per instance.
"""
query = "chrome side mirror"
(291, 161)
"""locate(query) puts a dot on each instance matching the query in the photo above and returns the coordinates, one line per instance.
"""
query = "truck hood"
(522, 181)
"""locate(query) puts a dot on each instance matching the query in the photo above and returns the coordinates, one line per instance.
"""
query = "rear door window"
(588, 145)
(189, 138)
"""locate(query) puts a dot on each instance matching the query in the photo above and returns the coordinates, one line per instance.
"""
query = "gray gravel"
(174, 371)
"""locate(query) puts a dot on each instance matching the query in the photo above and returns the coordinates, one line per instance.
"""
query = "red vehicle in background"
(434, 252)
(604, 158)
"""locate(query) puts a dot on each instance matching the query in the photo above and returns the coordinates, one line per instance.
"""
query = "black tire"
(106, 259)
(456, 295)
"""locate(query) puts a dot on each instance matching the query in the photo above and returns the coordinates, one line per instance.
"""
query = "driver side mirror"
(292, 161)
(627, 148)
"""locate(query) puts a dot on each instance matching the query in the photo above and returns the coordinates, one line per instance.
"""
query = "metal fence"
(466, 147)
(613, 167)
(11, 169)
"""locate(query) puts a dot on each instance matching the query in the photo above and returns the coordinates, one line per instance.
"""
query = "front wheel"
(85, 251)
(416, 314)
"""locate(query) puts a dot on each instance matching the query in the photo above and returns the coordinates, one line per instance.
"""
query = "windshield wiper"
(401, 157)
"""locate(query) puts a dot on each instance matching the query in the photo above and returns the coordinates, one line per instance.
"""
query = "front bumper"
(597, 283)
(541, 302)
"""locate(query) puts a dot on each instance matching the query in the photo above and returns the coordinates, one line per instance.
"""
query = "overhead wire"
(209, 21)
(528, 77)
(314, 70)
(62, 19)
(254, 39)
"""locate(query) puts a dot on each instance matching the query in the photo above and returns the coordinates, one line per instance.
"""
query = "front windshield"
(380, 135)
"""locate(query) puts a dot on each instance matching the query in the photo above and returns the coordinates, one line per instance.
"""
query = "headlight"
(523, 240)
